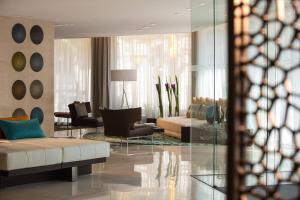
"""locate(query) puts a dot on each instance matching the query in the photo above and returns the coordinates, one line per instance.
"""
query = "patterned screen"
(264, 134)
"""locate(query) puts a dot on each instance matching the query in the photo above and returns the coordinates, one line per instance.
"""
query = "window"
(163, 55)
(72, 72)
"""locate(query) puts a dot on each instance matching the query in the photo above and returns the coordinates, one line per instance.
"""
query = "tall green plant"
(169, 93)
(175, 89)
(158, 88)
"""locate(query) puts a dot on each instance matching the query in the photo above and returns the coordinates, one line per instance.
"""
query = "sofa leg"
(74, 174)
(185, 134)
(152, 139)
(69, 174)
(127, 146)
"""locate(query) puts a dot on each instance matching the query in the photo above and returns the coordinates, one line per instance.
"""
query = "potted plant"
(169, 94)
(158, 88)
(175, 89)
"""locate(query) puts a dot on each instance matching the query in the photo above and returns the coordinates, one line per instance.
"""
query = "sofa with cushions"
(27, 155)
(196, 119)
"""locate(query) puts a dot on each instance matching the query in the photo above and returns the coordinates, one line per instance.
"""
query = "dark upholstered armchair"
(80, 118)
(121, 123)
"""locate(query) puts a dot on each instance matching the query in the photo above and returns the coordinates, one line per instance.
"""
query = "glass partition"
(272, 106)
(209, 81)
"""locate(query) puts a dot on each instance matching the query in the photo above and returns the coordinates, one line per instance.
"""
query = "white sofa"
(27, 156)
(180, 127)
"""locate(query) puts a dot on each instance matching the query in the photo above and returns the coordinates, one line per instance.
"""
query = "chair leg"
(152, 143)
(80, 133)
(68, 127)
(127, 146)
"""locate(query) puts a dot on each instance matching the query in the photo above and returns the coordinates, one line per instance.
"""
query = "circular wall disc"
(19, 89)
(36, 89)
(18, 33)
(19, 112)
(37, 113)
(18, 61)
(36, 62)
(36, 34)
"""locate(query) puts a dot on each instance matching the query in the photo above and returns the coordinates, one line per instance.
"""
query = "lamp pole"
(124, 97)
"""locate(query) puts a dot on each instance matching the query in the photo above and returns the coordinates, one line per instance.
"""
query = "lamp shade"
(123, 75)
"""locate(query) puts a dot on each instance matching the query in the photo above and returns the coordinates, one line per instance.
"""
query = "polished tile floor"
(146, 173)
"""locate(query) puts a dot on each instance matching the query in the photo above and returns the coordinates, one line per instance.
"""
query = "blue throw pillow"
(14, 130)
(210, 114)
(214, 114)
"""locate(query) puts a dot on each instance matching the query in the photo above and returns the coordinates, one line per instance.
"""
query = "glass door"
(209, 81)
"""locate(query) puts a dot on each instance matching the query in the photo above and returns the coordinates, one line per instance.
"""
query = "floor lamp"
(124, 75)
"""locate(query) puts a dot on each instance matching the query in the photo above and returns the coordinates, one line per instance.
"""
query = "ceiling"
(88, 18)
(204, 12)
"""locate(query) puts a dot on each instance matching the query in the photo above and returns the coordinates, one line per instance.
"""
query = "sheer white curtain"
(166, 55)
(72, 72)
(212, 63)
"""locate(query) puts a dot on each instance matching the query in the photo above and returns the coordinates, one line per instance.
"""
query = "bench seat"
(28, 153)
(15, 155)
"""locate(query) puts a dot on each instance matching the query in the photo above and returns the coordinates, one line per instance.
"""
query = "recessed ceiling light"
(146, 27)
(179, 13)
(202, 4)
(63, 25)
(152, 24)
(188, 9)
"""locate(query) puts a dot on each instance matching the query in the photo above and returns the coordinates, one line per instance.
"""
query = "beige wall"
(8, 75)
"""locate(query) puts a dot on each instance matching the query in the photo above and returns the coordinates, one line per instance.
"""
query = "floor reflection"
(169, 173)
(161, 175)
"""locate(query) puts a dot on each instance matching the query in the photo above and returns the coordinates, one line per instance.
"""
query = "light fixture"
(123, 75)
(179, 13)
(64, 25)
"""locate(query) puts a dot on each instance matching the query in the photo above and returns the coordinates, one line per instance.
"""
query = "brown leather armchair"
(79, 116)
(121, 123)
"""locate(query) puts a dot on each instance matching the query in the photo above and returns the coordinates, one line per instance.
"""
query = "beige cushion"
(193, 111)
(75, 149)
(20, 154)
(17, 155)
(194, 100)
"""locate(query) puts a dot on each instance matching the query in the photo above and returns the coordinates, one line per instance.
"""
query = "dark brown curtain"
(100, 74)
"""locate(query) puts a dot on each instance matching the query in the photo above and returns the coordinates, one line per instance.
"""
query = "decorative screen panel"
(264, 75)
